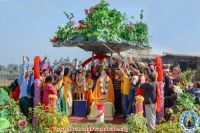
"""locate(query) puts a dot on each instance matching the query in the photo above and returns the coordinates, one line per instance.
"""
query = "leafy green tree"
(104, 24)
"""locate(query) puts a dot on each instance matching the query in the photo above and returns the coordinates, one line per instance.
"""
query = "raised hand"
(27, 59)
(45, 57)
(23, 59)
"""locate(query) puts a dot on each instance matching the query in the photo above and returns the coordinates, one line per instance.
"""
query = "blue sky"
(27, 25)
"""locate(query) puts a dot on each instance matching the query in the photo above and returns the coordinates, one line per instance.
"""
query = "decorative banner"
(97, 56)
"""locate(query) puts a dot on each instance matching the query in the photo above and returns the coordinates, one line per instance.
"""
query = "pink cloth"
(166, 70)
(37, 82)
(45, 66)
(48, 89)
(190, 86)
(152, 67)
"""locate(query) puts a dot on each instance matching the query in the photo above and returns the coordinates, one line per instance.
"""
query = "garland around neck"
(104, 84)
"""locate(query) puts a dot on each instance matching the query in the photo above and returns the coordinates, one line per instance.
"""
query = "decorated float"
(103, 32)
(106, 31)
(102, 28)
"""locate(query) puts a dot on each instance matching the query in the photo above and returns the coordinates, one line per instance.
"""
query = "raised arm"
(75, 64)
(43, 61)
(62, 71)
(121, 69)
(22, 75)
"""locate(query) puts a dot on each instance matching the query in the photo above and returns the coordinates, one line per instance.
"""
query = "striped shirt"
(116, 84)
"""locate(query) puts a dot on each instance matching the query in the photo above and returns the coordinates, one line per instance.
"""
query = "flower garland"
(104, 84)
(84, 83)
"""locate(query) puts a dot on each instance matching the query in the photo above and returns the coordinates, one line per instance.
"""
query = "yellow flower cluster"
(139, 98)
(64, 121)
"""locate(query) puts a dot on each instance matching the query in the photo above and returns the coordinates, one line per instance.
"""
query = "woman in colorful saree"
(66, 93)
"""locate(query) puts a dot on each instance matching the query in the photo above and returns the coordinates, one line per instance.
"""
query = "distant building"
(184, 61)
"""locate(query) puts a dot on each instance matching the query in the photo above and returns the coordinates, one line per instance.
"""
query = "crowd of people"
(118, 82)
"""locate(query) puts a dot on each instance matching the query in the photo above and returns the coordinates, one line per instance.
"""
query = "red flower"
(80, 21)
(86, 11)
(23, 124)
(80, 27)
(8, 102)
(52, 40)
(57, 39)
(91, 9)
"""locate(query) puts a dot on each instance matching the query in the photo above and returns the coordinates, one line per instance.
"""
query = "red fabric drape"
(37, 61)
(139, 92)
(97, 56)
(158, 97)
(159, 68)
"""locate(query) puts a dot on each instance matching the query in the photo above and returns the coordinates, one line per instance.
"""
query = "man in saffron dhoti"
(103, 90)
(103, 93)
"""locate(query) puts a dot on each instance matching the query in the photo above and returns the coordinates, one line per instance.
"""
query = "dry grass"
(5, 83)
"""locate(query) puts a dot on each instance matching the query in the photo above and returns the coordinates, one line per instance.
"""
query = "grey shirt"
(149, 92)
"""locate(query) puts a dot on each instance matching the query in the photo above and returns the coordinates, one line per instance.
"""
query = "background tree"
(12, 68)
(2, 68)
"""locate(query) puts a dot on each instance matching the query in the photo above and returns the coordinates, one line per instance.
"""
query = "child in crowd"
(49, 93)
